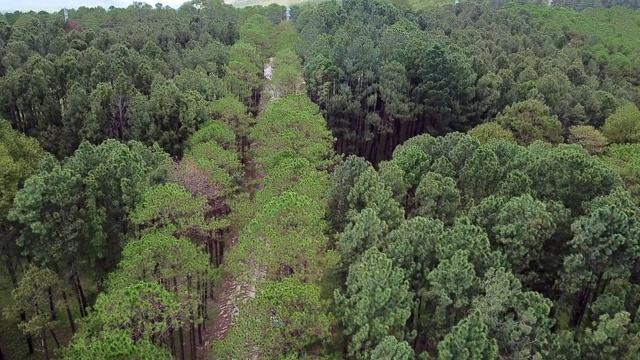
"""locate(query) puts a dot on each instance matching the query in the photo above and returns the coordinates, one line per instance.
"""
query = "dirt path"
(232, 292)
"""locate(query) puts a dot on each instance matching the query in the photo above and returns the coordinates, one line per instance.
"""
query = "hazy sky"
(55, 5)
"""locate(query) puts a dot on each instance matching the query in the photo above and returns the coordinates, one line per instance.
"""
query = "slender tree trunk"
(200, 310)
(221, 247)
(210, 241)
(181, 338)
(579, 307)
(193, 339)
(192, 329)
(52, 307)
(205, 301)
(69, 315)
(75, 288)
(12, 272)
(23, 317)
(180, 333)
(55, 338)
(43, 340)
(82, 296)
(172, 342)
(200, 327)
(29, 338)
(1, 355)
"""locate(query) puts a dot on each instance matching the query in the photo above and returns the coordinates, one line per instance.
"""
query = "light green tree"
(623, 126)
(285, 319)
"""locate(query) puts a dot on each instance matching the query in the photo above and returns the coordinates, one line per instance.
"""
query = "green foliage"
(437, 197)
(490, 132)
(530, 121)
(519, 227)
(286, 73)
(517, 319)
(412, 247)
(217, 132)
(76, 210)
(589, 138)
(256, 31)
(623, 126)
(297, 175)
(376, 302)
(390, 348)
(625, 161)
(365, 231)
(115, 344)
(458, 246)
(158, 256)
(557, 172)
(234, 114)
(172, 209)
(31, 295)
(223, 166)
(145, 309)
(469, 340)
(19, 158)
(490, 232)
(285, 237)
(604, 242)
(370, 192)
(282, 132)
(342, 180)
(452, 286)
(243, 72)
(286, 318)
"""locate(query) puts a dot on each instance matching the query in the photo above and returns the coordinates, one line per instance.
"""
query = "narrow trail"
(232, 292)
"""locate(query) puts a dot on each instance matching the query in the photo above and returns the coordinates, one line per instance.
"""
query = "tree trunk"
(579, 307)
(75, 288)
(210, 240)
(199, 292)
(180, 333)
(193, 340)
(172, 342)
(181, 337)
(52, 307)
(1, 355)
(69, 315)
(83, 299)
(12, 272)
(55, 338)
(192, 329)
(220, 247)
(43, 340)
(23, 317)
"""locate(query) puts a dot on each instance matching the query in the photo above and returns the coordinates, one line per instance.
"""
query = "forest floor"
(232, 292)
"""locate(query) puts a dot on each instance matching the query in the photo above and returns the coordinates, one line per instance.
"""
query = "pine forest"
(354, 179)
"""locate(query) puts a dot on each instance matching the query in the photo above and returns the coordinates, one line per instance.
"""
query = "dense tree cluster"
(140, 73)
(92, 202)
(536, 71)
(462, 249)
